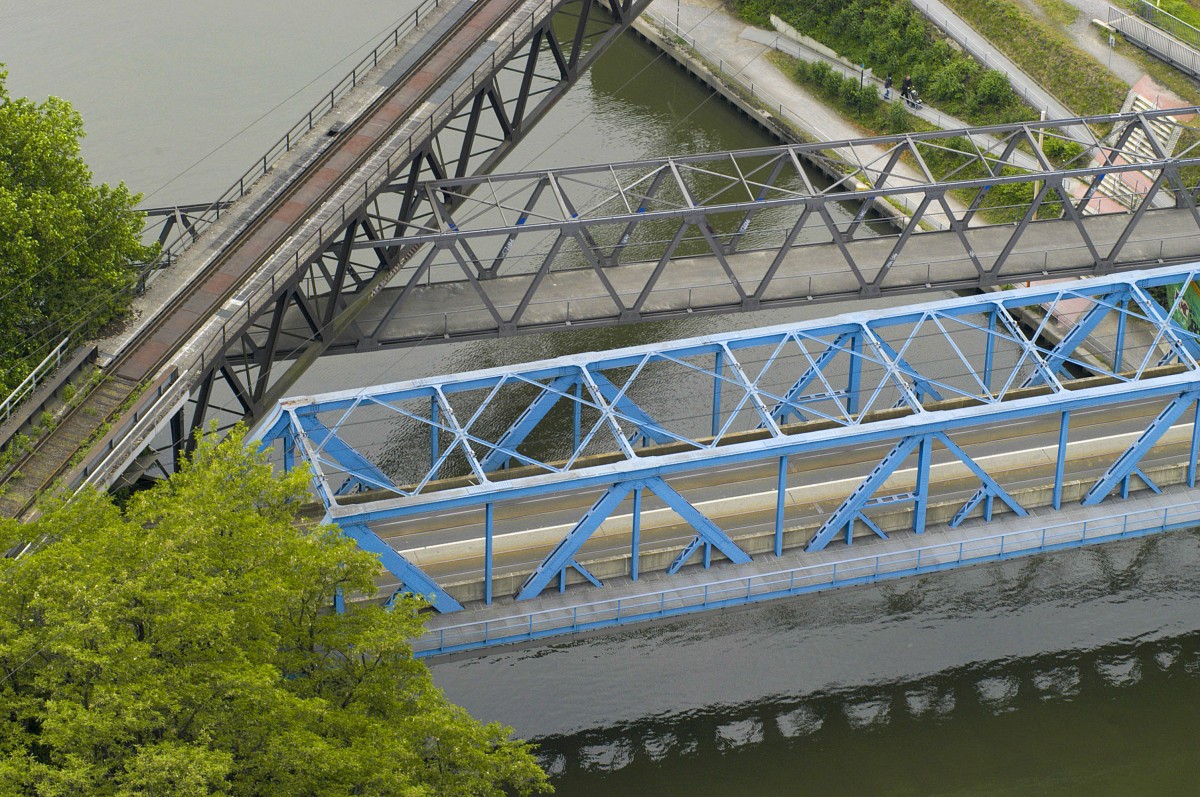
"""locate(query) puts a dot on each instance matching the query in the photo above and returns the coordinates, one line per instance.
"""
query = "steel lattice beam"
(972, 351)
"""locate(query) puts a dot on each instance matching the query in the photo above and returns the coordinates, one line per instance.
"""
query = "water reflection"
(1071, 673)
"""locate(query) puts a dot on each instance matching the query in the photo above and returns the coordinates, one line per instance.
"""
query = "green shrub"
(890, 35)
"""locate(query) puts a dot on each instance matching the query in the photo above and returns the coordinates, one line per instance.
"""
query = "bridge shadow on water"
(1076, 673)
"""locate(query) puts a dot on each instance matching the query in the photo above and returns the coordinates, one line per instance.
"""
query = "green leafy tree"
(184, 645)
(69, 248)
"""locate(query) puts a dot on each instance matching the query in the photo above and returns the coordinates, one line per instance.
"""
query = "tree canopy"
(184, 645)
(69, 248)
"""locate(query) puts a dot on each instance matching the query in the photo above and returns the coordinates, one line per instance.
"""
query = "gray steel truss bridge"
(613, 243)
(456, 258)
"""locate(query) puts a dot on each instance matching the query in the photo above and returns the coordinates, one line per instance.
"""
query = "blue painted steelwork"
(1127, 464)
(918, 374)
(411, 577)
(1060, 464)
(722, 593)
(1062, 353)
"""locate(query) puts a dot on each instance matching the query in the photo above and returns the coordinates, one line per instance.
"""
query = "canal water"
(1071, 674)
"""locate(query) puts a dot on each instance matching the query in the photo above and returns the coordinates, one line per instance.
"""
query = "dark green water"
(1076, 673)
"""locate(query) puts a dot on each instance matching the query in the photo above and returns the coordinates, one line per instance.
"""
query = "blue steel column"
(1064, 425)
(635, 547)
(924, 456)
(718, 367)
(433, 431)
(289, 454)
(989, 353)
(1122, 312)
(1191, 475)
(852, 380)
(578, 415)
(779, 503)
(487, 553)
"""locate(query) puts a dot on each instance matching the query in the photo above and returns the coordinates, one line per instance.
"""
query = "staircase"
(1128, 188)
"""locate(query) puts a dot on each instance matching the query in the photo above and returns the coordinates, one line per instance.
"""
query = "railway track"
(186, 312)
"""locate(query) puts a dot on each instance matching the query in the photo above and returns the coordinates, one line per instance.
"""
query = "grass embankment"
(890, 35)
(864, 106)
(1077, 79)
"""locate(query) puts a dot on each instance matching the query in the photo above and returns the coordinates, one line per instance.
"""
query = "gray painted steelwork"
(614, 243)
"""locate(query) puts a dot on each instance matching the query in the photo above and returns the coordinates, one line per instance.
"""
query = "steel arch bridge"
(920, 386)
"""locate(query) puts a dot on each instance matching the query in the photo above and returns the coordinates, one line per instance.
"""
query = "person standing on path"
(906, 89)
(887, 86)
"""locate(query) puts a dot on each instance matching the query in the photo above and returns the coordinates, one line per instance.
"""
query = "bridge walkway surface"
(660, 596)
(260, 238)
(814, 273)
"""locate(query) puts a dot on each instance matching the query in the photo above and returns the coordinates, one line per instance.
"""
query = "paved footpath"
(718, 38)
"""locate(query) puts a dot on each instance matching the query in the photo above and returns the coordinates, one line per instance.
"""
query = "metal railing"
(1157, 40)
(212, 342)
(1163, 20)
(809, 578)
(47, 366)
(288, 140)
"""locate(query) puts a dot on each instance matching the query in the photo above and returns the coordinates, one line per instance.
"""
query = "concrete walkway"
(717, 37)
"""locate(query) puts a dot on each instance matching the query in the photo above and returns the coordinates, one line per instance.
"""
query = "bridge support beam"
(411, 577)
(1126, 465)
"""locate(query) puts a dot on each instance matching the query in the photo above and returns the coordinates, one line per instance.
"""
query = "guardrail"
(810, 578)
(138, 427)
(1157, 41)
(1165, 21)
(47, 366)
(256, 293)
(284, 145)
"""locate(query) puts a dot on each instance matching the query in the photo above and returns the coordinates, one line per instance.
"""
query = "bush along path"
(890, 35)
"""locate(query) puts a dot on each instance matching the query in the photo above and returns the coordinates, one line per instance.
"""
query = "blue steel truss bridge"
(570, 494)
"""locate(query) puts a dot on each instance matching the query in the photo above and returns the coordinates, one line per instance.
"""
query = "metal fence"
(810, 578)
(1157, 41)
(1168, 22)
(184, 237)
(213, 339)
(46, 367)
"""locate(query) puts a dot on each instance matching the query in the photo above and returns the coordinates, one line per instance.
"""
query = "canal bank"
(1073, 674)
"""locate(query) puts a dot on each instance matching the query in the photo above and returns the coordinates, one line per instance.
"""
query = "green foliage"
(67, 246)
(860, 103)
(1079, 81)
(890, 35)
(184, 646)
(1060, 11)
